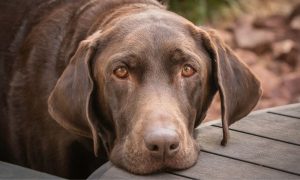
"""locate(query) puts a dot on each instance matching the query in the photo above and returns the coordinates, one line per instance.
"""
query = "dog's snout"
(162, 143)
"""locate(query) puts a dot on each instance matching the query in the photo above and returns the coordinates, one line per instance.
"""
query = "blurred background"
(265, 34)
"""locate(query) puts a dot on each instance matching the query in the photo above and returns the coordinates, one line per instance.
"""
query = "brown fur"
(64, 112)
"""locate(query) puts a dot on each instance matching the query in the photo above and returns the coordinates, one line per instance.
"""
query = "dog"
(87, 81)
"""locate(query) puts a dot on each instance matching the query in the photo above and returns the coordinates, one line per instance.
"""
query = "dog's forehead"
(151, 37)
(157, 40)
(157, 34)
(153, 16)
(153, 28)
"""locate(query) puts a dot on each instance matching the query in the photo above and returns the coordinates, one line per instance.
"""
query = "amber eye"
(121, 72)
(187, 71)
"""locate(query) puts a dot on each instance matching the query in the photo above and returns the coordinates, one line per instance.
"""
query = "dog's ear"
(238, 87)
(70, 102)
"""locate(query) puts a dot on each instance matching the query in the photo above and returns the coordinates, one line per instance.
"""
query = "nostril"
(153, 148)
(162, 143)
(174, 146)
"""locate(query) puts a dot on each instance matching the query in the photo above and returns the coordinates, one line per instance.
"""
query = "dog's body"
(40, 44)
(35, 33)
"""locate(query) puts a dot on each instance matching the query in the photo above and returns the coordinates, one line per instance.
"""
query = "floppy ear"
(70, 101)
(239, 89)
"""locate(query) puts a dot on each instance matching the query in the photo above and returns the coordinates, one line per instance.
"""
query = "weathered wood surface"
(292, 111)
(212, 166)
(254, 149)
(269, 125)
(264, 145)
(108, 171)
(209, 166)
(10, 171)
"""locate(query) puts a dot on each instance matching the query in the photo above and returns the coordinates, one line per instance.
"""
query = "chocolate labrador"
(87, 81)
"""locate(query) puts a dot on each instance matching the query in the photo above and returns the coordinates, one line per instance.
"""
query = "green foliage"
(201, 11)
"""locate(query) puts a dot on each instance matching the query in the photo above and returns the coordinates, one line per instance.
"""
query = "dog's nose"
(162, 143)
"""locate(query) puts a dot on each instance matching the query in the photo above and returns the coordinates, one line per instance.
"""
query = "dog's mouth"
(134, 158)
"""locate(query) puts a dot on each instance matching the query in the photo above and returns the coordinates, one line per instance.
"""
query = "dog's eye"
(187, 71)
(121, 72)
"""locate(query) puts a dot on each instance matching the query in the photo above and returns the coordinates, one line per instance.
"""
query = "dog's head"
(142, 85)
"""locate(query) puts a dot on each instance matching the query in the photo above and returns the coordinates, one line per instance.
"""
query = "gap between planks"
(266, 137)
(280, 114)
(174, 173)
(270, 167)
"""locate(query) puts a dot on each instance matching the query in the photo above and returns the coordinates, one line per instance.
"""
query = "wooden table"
(264, 145)
(11, 171)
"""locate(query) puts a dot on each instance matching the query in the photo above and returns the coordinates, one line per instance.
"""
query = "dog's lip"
(163, 167)
(153, 165)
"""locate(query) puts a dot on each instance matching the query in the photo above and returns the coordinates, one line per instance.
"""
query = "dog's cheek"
(121, 103)
(193, 91)
(190, 97)
(116, 155)
(115, 95)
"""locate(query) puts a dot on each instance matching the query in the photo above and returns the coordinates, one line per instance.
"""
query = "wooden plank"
(11, 171)
(288, 111)
(268, 125)
(109, 171)
(210, 166)
(261, 151)
(247, 155)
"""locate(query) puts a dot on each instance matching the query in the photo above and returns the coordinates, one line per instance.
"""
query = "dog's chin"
(139, 161)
